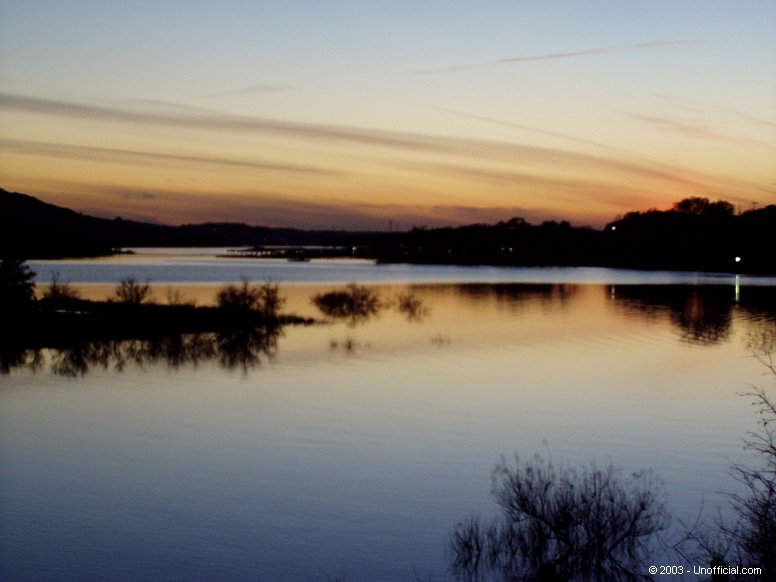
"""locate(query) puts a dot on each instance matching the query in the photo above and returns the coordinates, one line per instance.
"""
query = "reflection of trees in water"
(14, 357)
(348, 345)
(411, 307)
(761, 341)
(704, 318)
(756, 528)
(516, 294)
(703, 314)
(239, 348)
(246, 348)
(355, 304)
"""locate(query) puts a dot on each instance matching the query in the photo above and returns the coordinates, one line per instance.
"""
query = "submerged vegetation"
(356, 303)
(359, 303)
(263, 299)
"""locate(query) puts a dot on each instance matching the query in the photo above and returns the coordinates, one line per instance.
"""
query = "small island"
(244, 323)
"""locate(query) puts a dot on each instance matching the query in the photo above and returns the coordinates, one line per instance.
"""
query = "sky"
(369, 114)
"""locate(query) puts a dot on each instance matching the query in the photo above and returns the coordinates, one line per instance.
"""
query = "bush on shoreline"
(132, 292)
(562, 523)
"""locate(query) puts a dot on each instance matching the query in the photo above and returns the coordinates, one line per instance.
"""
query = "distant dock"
(292, 252)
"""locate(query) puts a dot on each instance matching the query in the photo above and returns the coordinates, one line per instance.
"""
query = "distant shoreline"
(696, 234)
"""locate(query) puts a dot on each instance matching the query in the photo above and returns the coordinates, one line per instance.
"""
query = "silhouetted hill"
(30, 228)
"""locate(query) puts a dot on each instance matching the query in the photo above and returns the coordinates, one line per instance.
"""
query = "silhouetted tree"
(756, 529)
(704, 207)
(750, 538)
(130, 291)
(17, 287)
(562, 523)
(270, 300)
(244, 296)
(58, 292)
(176, 297)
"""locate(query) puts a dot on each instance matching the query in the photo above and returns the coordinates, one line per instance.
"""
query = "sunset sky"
(348, 114)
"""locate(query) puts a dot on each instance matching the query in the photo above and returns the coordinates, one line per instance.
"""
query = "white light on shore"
(738, 259)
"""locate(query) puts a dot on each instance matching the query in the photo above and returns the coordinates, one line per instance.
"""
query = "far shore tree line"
(695, 234)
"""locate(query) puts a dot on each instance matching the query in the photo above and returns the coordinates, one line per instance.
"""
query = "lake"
(350, 449)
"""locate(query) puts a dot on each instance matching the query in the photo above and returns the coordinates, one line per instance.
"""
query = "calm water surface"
(350, 450)
(205, 266)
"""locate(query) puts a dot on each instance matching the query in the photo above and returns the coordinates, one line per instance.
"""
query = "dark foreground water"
(350, 450)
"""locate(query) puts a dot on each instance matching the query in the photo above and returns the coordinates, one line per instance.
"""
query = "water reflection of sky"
(160, 266)
(354, 450)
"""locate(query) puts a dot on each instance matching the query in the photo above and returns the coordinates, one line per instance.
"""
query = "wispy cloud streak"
(210, 121)
(123, 156)
(528, 128)
(560, 56)
(260, 89)
(595, 51)
(405, 142)
(681, 128)
(466, 162)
